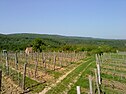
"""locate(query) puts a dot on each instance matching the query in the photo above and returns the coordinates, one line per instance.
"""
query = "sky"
(84, 18)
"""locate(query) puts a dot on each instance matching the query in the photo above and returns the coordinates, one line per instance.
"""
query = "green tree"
(38, 44)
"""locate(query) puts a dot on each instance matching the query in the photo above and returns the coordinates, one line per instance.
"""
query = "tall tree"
(38, 44)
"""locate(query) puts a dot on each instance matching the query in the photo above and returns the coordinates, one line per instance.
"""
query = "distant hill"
(22, 40)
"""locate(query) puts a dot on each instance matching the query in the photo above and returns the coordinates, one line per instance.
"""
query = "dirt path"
(59, 80)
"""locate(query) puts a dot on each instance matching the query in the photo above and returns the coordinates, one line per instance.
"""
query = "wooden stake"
(98, 71)
(44, 62)
(16, 61)
(32, 56)
(98, 68)
(96, 57)
(36, 65)
(7, 65)
(54, 61)
(78, 90)
(97, 81)
(43, 59)
(62, 58)
(0, 80)
(19, 78)
(90, 84)
(24, 76)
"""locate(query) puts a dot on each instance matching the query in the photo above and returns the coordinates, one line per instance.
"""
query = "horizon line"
(66, 36)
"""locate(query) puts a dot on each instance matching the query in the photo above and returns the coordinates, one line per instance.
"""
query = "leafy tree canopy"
(38, 44)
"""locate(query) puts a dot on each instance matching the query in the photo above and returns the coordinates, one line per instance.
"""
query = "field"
(32, 73)
(61, 72)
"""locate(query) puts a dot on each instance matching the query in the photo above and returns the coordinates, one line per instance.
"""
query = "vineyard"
(106, 75)
(32, 73)
(62, 47)
(113, 72)
(63, 72)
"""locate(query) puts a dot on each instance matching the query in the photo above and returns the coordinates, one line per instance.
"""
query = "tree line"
(40, 42)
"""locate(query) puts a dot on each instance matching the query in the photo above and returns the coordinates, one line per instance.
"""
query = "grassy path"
(64, 84)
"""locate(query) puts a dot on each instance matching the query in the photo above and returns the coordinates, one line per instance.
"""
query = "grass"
(117, 70)
(64, 84)
(115, 78)
(83, 81)
(34, 86)
(116, 61)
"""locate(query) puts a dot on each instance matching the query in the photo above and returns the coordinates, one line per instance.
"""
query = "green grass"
(34, 86)
(115, 78)
(83, 81)
(115, 59)
(63, 85)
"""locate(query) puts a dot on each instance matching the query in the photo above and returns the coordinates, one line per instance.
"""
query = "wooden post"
(99, 76)
(48, 58)
(44, 62)
(97, 82)
(43, 59)
(90, 84)
(54, 61)
(32, 56)
(16, 61)
(98, 69)
(38, 56)
(78, 90)
(36, 65)
(62, 58)
(101, 57)
(24, 75)
(96, 58)
(70, 55)
(19, 78)
(0, 80)
(7, 65)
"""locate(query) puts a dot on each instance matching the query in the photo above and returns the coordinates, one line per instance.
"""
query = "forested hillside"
(18, 42)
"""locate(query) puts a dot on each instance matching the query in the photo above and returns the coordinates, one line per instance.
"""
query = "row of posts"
(25, 66)
(16, 65)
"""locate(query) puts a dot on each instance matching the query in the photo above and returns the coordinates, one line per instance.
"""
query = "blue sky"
(86, 18)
